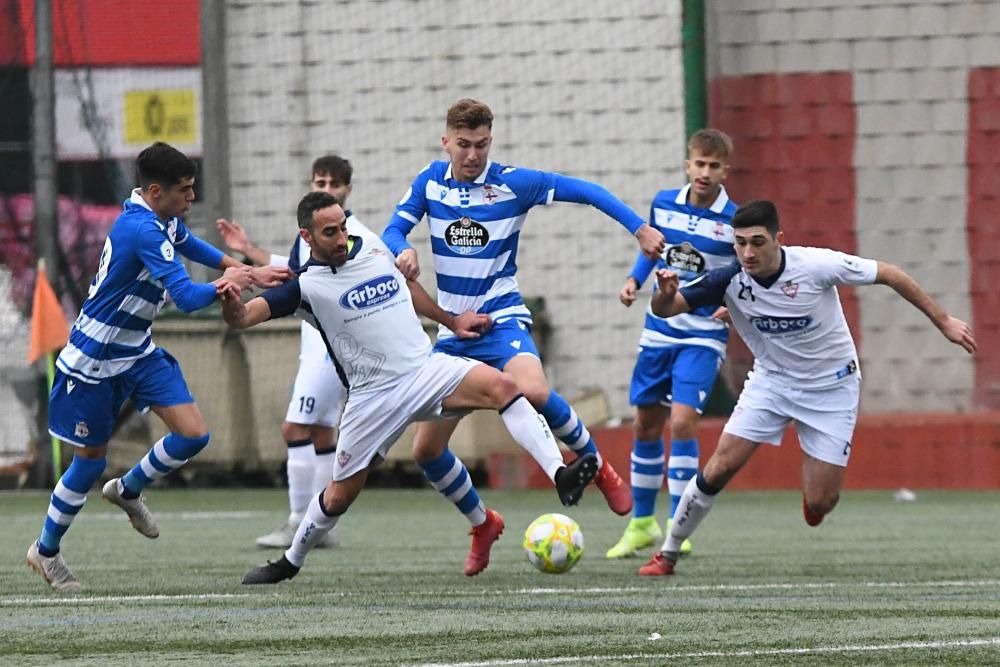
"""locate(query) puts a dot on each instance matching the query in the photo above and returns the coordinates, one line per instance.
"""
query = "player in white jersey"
(353, 293)
(475, 209)
(111, 357)
(315, 405)
(783, 301)
(679, 357)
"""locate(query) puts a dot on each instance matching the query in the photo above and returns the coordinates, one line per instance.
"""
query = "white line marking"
(95, 599)
(26, 601)
(816, 650)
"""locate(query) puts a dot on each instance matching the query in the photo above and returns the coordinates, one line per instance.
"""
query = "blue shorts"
(682, 374)
(84, 414)
(494, 348)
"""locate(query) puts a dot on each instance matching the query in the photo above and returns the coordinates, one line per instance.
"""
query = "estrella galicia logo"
(781, 325)
(685, 259)
(370, 293)
(466, 237)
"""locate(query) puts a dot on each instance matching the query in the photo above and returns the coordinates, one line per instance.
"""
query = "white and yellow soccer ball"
(554, 543)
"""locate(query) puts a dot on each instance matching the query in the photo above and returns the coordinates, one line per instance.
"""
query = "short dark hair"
(757, 212)
(163, 164)
(335, 167)
(710, 141)
(468, 114)
(312, 202)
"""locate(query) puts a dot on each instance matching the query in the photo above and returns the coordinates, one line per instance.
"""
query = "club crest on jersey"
(343, 458)
(719, 231)
(81, 430)
(790, 289)
(489, 196)
(370, 293)
(684, 258)
(466, 237)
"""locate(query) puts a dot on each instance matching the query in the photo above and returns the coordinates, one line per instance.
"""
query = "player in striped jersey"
(679, 357)
(783, 301)
(314, 409)
(475, 208)
(111, 356)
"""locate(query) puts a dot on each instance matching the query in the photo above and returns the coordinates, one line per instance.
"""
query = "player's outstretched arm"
(668, 301)
(466, 325)
(952, 328)
(235, 238)
(241, 315)
(577, 190)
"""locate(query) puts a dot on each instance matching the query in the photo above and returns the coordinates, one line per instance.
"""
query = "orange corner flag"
(49, 330)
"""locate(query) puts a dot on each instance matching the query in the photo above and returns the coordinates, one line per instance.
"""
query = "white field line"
(749, 653)
(27, 601)
(68, 600)
(185, 516)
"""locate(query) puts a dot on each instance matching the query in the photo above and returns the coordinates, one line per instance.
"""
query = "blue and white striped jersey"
(474, 232)
(475, 228)
(113, 329)
(698, 240)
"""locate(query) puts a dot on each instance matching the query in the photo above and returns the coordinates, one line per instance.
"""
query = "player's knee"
(718, 471)
(537, 393)
(294, 432)
(647, 430)
(684, 426)
(427, 450)
(503, 390)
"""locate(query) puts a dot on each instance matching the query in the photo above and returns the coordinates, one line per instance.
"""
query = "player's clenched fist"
(407, 264)
(651, 241)
(666, 282)
(627, 295)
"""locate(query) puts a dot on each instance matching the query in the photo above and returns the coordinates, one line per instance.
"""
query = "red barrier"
(936, 451)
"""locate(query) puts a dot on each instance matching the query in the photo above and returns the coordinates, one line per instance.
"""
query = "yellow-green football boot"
(685, 545)
(639, 534)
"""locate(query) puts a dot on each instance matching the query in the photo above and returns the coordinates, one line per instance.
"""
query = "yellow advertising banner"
(160, 115)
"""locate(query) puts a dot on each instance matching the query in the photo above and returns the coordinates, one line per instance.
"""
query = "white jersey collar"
(718, 206)
(479, 180)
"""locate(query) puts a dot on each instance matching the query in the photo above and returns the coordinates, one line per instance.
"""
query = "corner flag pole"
(49, 333)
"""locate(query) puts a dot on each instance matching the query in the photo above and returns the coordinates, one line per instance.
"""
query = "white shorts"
(317, 395)
(824, 418)
(374, 420)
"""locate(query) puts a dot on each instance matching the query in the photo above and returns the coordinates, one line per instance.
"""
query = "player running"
(315, 405)
(679, 357)
(111, 356)
(353, 293)
(784, 303)
(475, 209)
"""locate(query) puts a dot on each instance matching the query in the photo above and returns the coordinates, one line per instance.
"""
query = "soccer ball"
(554, 543)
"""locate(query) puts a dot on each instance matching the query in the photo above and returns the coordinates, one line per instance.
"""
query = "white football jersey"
(793, 323)
(363, 311)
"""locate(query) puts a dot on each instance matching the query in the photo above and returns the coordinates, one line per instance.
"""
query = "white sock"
(691, 509)
(314, 526)
(323, 472)
(531, 432)
(301, 468)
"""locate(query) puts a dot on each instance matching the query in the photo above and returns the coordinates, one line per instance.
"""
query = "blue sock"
(683, 465)
(450, 477)
(67, 500)
(566, 426)
(647, 476)
(168, 454)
